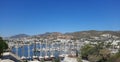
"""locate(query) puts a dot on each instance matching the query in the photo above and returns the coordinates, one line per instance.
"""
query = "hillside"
(79, 34)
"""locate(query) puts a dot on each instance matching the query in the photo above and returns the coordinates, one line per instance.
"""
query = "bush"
(95, 53)
(115, 58)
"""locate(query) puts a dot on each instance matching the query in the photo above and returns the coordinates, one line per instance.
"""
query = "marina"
(46, 50)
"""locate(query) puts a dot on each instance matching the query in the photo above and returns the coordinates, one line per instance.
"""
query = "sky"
(39, 16)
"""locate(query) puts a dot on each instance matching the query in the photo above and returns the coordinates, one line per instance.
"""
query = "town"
(55, 45)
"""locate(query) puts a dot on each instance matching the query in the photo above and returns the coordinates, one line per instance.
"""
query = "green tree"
(56, 60)
(86, 50)
(96, 52)
(3, 46)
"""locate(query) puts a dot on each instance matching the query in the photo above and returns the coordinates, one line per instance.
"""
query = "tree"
(115, 58)
(105, 53)
(79, 58)
(96, 52)
(3, 46)
(56, 60)
(86, 50)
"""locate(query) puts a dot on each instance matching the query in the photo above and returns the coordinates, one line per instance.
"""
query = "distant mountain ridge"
(78, 34)
(20, 36)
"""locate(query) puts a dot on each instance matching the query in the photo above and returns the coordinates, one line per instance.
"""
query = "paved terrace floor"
(11, 56)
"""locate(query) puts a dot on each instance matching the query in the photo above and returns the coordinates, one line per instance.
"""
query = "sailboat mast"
(46, 47)
(17, 48)
(28, 51)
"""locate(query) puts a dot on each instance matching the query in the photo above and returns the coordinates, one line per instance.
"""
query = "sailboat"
(16, 47)
(52, 56)
(40, 57)
(35, 51)
(46, 57)
(23, 52)
(28, 51)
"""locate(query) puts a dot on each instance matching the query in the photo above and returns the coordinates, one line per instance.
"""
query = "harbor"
(44, 49)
